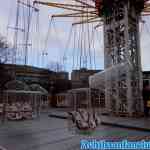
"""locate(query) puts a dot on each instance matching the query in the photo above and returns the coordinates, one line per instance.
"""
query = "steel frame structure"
(121, 38)
(123, 84)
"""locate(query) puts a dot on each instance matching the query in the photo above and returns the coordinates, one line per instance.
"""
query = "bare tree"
(4, 77)
(3, 42)
(3, 49)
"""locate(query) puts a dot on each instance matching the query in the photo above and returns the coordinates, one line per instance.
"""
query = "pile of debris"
(84, 120)
(17, 111)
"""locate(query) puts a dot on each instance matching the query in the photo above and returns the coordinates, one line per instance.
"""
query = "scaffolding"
(101, 79)
(122, 45)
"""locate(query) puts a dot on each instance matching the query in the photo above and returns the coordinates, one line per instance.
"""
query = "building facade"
(80, 78)
(49, 80)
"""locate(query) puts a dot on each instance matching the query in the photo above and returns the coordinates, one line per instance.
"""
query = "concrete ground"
(47, 133)
(127, 122)
(139, 123)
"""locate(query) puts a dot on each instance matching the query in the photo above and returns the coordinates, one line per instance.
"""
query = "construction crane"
(123, 85)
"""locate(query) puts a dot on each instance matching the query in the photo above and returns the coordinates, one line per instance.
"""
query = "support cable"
(94, 50)
(78, 48)
(38, 36)
(16, 35)
(74, 49)
(89, 46)
(29, 17)
(81, 42)
(67, 45)
(44, 53)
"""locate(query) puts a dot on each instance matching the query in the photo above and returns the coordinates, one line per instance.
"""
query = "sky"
(57, 43)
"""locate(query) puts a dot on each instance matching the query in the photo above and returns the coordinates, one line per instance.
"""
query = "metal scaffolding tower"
(123, 87)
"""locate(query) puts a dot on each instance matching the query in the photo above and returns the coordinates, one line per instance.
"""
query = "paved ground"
(133, 123)
(48, 133)
(141, 123)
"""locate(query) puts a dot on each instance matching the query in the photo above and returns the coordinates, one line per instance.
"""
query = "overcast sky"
(56, 45)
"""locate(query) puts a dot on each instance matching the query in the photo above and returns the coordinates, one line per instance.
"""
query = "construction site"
(73, 74)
